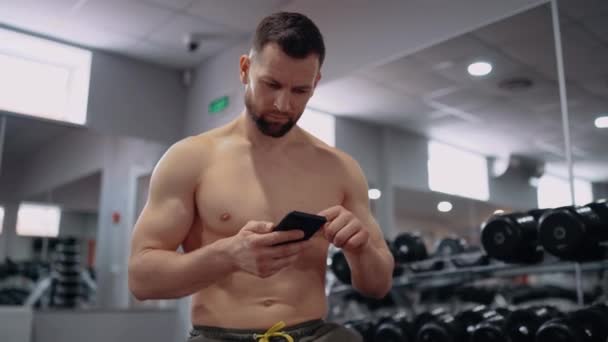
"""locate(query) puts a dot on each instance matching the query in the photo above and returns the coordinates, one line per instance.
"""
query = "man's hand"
(344, 230)
(253, 249)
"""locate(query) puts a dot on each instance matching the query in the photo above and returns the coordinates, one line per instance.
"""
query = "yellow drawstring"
(273, 332)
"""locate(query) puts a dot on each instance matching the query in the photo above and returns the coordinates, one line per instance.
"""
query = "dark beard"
(271, 129)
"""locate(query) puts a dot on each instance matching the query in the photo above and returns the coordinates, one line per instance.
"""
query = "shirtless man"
(219, 195)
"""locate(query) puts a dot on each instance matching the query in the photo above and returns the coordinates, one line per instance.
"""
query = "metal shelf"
(497, 270)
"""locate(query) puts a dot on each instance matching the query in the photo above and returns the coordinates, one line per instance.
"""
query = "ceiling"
(150, 30)
(431, 93)
(428, 92)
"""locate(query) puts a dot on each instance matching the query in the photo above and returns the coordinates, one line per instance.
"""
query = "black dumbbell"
(492, 329)
(585, 325)
(395, 328)
(339, 266)
(513, 238)
(449, 328)
(574, 232)
(409, 247)
(523, 324)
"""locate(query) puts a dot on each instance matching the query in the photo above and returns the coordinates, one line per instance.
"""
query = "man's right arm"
(156, 269)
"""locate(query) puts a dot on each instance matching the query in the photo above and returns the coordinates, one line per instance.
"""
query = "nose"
(283, 102)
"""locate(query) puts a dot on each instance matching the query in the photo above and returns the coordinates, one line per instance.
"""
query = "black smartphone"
(308, 223)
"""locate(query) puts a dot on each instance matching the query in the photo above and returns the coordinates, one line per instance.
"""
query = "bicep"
(169, 212)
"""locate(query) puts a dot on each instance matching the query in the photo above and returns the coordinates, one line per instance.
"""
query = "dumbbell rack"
(497, 270)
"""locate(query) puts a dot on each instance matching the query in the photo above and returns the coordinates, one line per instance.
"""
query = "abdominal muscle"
(243, 301)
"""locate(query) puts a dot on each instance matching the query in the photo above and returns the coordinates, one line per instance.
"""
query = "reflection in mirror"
(584, 35)
(473, 121)
(47, 244)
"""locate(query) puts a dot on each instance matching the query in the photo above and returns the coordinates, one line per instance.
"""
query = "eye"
(300, 91)
(273, 85)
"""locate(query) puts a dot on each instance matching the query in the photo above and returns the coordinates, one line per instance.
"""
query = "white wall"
(133, 98)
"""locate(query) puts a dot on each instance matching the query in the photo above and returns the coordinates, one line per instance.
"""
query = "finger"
(288, 250)
(331, 213)
(357, 241)
(274, 238)
(334, 227)
(260, 227)
(345, 234)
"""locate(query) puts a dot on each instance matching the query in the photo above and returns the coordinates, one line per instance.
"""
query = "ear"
(244, 67)
(317, 79)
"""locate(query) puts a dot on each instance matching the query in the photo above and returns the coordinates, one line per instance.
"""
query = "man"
(220, 194)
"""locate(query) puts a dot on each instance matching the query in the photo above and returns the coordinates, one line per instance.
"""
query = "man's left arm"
(352, 227)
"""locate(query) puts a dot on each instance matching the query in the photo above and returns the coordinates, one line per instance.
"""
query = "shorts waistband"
(296, 331)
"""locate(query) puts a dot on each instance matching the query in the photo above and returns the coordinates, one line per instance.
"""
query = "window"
(38, 220)
(554, 192)
(1, 219)
(43, 78)
(457, 172)
(321, 125)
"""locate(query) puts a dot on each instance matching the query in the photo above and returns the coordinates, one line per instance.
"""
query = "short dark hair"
(295, 33)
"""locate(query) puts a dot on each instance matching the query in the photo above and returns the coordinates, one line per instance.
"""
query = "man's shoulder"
(336, 158)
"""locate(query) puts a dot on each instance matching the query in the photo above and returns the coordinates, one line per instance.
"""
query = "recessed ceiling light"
(374, 194)
(601, 122)
(479, 68)
(444, 206)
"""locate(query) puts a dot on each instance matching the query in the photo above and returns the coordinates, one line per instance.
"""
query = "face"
(278, 88)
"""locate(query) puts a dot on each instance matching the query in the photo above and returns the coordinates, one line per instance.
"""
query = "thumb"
(259, 227)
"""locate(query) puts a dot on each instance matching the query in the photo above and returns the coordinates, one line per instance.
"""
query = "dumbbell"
(574, 232)
(339, 266)
(513, 238)
(393, 329)
(449, 328)
(365, 328)
(585, 325)
(409, 247)
(523, 324)
(492, 329)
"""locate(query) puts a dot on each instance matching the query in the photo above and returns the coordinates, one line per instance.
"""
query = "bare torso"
(237, 185)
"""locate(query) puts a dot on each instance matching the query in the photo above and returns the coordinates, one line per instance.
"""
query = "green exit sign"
(218, 105)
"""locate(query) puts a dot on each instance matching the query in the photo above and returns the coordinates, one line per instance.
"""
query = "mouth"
(277, 117)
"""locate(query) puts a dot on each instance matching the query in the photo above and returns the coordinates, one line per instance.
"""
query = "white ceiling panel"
(129, 17)
(171, 4)
(167, 55)
(575, 8)
(531, 25)
(466, 99)
(241, 15)
(357, 96)
(33, 15)
(463, 48)
(597, 25)
(173, 32)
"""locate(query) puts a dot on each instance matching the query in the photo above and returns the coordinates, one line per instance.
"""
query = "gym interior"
(481, 127)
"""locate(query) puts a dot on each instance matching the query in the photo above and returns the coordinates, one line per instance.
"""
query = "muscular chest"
(237, 189)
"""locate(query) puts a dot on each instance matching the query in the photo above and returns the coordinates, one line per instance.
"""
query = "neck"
(260, 141)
